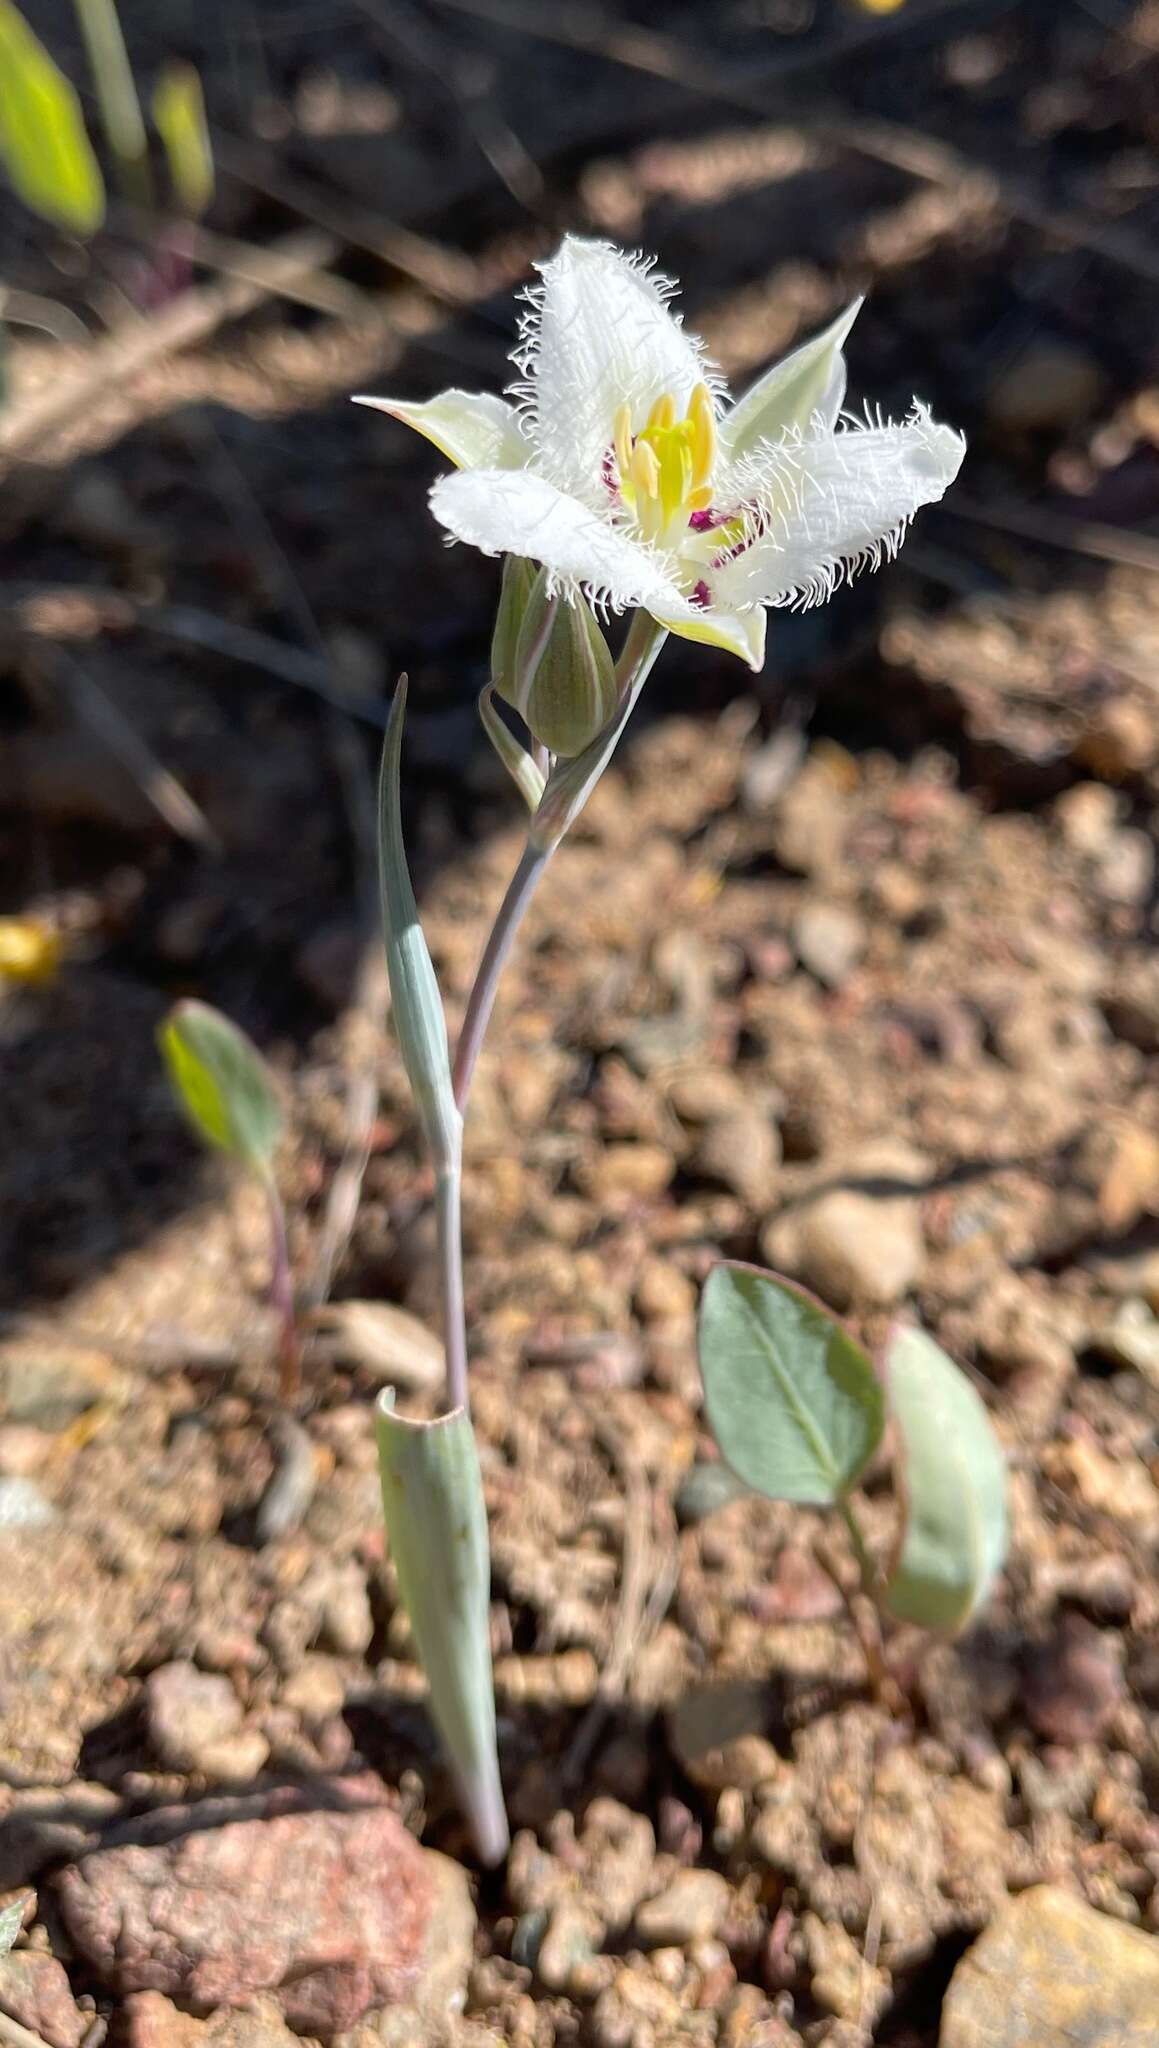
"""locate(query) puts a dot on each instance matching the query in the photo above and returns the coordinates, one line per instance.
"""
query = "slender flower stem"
(282, 1300)
(482, 998)
(449, 1216)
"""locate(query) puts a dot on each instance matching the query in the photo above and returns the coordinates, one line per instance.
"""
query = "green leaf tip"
(44, 144)
(951, 1478)
(793, 1401)
(179, 115)
(222, 1083)
(436, 1524)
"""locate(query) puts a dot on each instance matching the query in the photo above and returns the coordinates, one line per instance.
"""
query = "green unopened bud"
(562, 680)
(518, 580)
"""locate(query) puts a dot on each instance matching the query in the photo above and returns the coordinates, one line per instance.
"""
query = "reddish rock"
(332, 1912)
(35, 1990)
(1073, 1684)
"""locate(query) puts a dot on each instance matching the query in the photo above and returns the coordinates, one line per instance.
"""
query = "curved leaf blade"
(43, 140)
(952, 1479)
(416, 1005)
(436, 1523)
(793, 1402)
(222, 1083)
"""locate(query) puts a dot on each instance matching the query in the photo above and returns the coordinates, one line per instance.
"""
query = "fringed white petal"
(600, 334)
(808, 384)
(473, 429)
(826, 506)
(507, 512)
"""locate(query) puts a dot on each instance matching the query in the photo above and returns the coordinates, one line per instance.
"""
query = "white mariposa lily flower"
(622, 468)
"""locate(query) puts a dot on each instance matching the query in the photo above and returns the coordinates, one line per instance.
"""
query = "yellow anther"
(700, 498)
(703, 418)
(645, 470)
(622, 437)
(662, 415)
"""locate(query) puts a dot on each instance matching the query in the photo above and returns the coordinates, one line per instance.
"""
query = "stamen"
(622, 436)
(699, 501)
(645, 470)
(662, 415)
(700, 412)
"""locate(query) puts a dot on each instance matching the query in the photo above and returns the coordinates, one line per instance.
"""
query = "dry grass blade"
(920, 156)
(191, 318)
(160, 787)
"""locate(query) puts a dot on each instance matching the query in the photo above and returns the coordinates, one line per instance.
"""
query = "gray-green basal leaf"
(436, 1523)
(792, 1400)
(416, 1005)
(952, 1484)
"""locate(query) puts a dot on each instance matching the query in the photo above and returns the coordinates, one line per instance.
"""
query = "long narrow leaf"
(43, 142)
(416, 1004)
(952, 1481)
(436, 1523)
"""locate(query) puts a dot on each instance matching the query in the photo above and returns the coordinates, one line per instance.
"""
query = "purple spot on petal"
(703, 522)
(701, 594)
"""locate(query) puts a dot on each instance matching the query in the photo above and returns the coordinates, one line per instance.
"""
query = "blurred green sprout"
(45, 147)
(230, 1098)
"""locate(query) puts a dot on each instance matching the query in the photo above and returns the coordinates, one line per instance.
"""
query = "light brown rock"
(691, 1908)
(35, 1990)
(1050, 1972)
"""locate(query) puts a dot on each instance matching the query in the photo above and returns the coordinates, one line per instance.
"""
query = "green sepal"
(436, 1524)
(528, 779)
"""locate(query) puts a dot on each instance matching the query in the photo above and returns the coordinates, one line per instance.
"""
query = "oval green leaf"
(952, 1483)
(43, 141)
(222, 1083)
(179, 112)
(793, 1402)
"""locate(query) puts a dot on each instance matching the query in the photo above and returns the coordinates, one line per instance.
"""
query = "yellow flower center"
(665, 469)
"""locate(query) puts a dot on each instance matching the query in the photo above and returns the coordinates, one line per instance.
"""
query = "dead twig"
(192, 317)
(1055, 530)
(647, 1580)
(159, 786)
(920, 156)
(443, 272)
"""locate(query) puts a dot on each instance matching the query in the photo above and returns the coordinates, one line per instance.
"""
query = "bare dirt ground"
(850, 968)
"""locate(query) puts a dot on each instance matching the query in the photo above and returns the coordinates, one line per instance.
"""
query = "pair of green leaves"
(44, 144)
(798, 1410)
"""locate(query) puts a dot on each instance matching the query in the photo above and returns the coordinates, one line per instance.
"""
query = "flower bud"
(561, 679)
